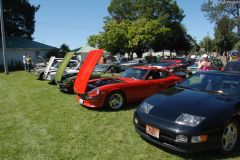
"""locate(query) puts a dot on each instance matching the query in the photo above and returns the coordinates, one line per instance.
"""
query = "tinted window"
(232, 66)
(136, 73)
(156, 74)
(101, 68)
(219, 83)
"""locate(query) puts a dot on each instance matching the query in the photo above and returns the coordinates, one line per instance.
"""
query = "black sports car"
(200, 113)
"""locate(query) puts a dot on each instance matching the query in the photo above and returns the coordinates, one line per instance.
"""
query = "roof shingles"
(23, 43)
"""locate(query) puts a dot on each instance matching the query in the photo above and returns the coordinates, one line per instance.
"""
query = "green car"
(100, 71)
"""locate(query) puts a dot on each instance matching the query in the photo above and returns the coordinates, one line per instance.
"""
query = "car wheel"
(229, 137)
(41, 76)
(115, 100)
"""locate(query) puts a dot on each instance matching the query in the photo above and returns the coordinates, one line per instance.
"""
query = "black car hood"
(171, 103)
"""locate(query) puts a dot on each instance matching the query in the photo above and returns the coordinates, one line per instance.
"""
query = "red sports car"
(171, 65)
(135, 84)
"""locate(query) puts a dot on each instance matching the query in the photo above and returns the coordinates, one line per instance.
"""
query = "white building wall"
(14, 56)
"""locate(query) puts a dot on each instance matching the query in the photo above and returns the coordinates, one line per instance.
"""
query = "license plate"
(152, 131)
(81, 101)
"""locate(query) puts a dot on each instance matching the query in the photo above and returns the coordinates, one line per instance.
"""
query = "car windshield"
(72, 64)
(214, 83)
(55, 64)
(100, 68)
(135, 73)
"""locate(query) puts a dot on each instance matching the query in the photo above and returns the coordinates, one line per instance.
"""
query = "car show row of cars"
(201, 112)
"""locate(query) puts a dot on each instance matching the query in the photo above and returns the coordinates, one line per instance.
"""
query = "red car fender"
(106, 91)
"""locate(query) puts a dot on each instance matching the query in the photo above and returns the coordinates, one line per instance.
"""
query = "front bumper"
(96, 102)
(167, 137)
(65, 87)
(50, 77)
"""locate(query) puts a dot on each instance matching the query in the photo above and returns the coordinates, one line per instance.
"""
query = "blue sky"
(72, 21)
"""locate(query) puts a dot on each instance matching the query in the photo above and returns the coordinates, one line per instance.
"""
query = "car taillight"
(94, 92)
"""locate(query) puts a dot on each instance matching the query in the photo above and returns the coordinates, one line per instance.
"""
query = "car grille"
(83, 96)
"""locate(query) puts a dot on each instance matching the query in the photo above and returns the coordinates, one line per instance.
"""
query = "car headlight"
(189, 120)
(94, 92)
(145, 107)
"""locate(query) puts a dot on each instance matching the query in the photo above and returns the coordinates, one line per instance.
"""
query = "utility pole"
(3, 39)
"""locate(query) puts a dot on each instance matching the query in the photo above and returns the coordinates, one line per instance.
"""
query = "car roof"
(148, 67)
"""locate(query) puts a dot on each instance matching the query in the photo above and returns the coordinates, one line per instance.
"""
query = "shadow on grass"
(203, 155)
(70, 92)
(127, 107)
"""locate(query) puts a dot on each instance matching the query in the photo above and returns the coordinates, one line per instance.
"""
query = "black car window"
(101, 68)
(221, 83)
(136, 73)
(156, 74)
(232, 67)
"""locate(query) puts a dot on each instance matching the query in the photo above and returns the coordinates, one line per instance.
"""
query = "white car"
(73, 66)
(39, 71)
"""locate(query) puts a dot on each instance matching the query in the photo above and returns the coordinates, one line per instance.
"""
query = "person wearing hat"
(204, 64)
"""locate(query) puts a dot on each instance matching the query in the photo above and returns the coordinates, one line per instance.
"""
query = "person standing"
(25, 61)
(158, 58)
(29, 63)
(204, 64)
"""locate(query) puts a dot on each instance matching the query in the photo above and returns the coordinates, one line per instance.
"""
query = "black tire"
(229, 138)
(115, 100)
(41, 76)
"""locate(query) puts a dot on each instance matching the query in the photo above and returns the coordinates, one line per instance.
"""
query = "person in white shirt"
(25, 61)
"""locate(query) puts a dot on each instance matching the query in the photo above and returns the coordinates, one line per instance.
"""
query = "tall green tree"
(208, 43)
(137, 25)
(144, 34)
(230, 8)
(149, 9)
(64, 48)
(19, 18)
(224, 36)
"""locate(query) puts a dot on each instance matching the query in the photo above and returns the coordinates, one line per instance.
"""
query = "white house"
(17, 46)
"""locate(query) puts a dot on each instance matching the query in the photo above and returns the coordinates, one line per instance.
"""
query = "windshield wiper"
(186, 87)
(212, 91)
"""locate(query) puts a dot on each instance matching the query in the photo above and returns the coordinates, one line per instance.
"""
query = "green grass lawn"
(37, 121)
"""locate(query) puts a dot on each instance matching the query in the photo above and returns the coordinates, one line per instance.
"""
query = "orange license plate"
(152, 131)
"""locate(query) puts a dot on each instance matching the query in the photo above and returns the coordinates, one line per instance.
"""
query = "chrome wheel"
(229, 137)
(116, 101)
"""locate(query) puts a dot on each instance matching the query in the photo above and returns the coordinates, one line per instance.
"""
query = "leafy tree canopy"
(138, 25)
(208, 43)
(19, 18)
(224, 36)
(223, 8)
(63, 50)
(149, 9)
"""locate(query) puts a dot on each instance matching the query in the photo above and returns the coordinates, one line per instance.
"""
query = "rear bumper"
(96, 102)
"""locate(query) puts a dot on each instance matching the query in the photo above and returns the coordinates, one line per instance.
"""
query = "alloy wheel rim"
(116, 101)
(229, 137)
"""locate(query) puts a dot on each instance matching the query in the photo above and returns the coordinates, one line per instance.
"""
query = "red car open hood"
(86, 69)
